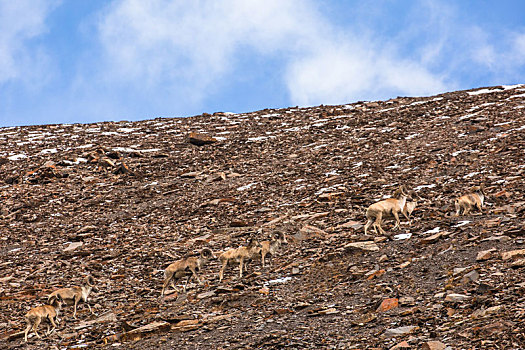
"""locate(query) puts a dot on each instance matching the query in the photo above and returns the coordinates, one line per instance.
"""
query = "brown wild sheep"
(239, 255)
(36, 315)
(73, 295)
(271, 247)
(474, 199)
(387, 208)
(186, 267)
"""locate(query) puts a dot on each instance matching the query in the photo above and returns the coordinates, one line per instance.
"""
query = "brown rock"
(402, 345)
(433, 345)
(201, 139)
(365, 245)
(485, 254)
(309, 230)
(431, 239)
(72, 246)
(388, 304)
(513, 254)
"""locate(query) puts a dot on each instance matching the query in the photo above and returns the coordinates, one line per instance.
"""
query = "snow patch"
(17, 157)
(245, 187)
(434, 230)
(424, 186)
(462, 223)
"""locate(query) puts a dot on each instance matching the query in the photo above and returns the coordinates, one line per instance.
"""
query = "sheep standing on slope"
(387, 208)
(75, 294)
(239, 255)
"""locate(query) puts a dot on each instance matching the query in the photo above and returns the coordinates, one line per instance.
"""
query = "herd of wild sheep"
(402, 202)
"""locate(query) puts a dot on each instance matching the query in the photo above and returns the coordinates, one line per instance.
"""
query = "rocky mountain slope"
(122, 200)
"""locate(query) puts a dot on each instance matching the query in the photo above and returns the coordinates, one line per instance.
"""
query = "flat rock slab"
(400, 331)
(366, 245)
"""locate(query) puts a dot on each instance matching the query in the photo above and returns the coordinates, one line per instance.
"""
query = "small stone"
(350, 224)
(201, 139)
(330, 311)
(264, 290)
(518, 263)
(72, 246)
(458, 270)
(388, 304)
(366, 245)
(400, 331)
(206, 294)
(457, 298)
(472, 276)
(485, 254)
(433, 345)
(407, 301)
(402, 345)
(374, 273)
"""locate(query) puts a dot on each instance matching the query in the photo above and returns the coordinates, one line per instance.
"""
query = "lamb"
(183, 267)
(35, 316)
(474, 199)
(390, 207)
(73, 295)
(239, 255)
(411, 205)
(271, 247)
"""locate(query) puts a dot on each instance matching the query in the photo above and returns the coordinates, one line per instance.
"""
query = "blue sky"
(81, 61)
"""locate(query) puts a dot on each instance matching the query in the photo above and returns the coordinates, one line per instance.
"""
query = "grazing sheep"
(36, 315)
(186, 267)
(474, 199)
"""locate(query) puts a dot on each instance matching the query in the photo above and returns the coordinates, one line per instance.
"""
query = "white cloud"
(190, 47)
(20, 21)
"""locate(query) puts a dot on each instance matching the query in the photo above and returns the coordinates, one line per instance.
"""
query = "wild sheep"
(239, 255)
(186, 267)
(387, 208)
(474, 199)
(73, 295)
(35, 316)
(271, 247)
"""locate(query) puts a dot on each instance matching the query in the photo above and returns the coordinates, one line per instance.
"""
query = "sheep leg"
(221, 273)
(167, 281)
(377, 224)
(194, 272)
(75, 310)
(54, 326)
(396, 216)
(35, 326)
(187, 281)
(368, 223)
(28, 329)
(89, 306)
(405, 214)
(241, 265)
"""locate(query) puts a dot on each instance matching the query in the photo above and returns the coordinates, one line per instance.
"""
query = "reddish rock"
(388, 304)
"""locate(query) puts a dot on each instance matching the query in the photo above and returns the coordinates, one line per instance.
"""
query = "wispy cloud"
(21, 21)
(191, 47)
